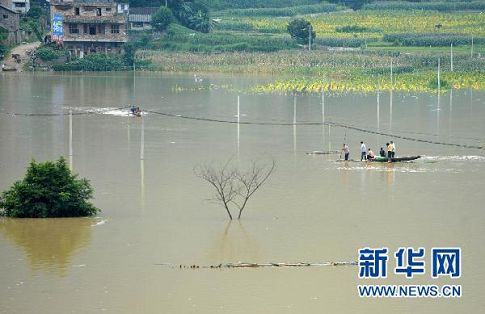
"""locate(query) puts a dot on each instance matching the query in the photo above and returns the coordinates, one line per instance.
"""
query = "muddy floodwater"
(313, 209)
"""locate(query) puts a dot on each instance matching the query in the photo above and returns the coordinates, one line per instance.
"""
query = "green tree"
(49, 189)
(300, 29)
(193, 14)
(129, 55)
(162, 18)
(35, 12)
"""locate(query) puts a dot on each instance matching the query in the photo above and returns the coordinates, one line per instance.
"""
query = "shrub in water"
(49, 189)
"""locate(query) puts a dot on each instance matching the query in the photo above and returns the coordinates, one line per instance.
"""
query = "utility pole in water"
(471, 51)
(309, 37)
(439, 81)
(451, 57)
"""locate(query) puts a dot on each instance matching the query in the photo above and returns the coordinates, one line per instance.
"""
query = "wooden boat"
(9, 69)
(395, 159)
(384, 159)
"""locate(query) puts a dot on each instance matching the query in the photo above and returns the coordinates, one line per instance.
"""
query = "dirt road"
(22, 52)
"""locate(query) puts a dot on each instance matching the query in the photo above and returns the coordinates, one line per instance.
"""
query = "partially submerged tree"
(49, 189)
(233, 186)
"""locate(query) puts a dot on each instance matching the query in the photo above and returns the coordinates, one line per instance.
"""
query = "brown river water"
(313, 209)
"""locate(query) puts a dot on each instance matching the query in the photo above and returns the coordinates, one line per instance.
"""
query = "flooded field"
(313, 209)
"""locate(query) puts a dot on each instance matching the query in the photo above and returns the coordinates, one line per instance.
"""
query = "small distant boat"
(9, 69)
(395, 159)
(135, 111)
(384, 159)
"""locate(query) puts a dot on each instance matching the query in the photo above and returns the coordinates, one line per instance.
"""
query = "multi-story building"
(88, 26)
(9, 20)
(19, 6)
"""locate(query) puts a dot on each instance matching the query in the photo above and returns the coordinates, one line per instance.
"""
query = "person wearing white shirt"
(363, 151)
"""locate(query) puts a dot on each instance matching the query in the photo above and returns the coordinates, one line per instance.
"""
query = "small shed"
(140, 19)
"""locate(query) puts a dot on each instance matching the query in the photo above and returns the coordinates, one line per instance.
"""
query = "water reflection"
(48, 243)
(142, 184)
(234, 244)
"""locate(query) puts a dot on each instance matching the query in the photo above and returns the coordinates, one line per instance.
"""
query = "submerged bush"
(49, 189)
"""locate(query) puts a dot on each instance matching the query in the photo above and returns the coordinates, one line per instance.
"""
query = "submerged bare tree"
(235, 186)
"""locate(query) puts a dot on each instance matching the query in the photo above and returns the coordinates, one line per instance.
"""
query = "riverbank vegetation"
(353, 43)
(352, 50)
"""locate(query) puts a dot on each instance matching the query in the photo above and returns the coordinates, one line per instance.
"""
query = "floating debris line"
(256, 265)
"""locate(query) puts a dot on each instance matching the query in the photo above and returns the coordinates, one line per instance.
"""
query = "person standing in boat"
(389, 152)
(363, 151)
(393, 149)
(346, 151)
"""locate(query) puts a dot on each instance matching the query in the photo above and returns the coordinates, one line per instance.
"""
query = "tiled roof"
(143, 11)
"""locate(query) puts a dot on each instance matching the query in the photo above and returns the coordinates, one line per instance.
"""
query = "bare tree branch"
(251, 181)
(233, 186)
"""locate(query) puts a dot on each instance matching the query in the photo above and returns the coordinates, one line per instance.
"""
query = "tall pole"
(70, 139)
(238, 112)
(471, 51)
(238, 125)
(438, 112)
(70, 132)
(378, 109)
(451, 57)
(309, 37)
(323, 120)
(142, 145)
(142, 185)
(294, 124)
(391, 76)
(390, 99)
(451, 111)
(439, 68)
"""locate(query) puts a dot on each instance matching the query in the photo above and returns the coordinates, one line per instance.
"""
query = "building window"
(98, 11)
(108, 9)
(19, 5)
(5, 16)
(73, 29)
(92, 29)
(115, 29)
(76, 11)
